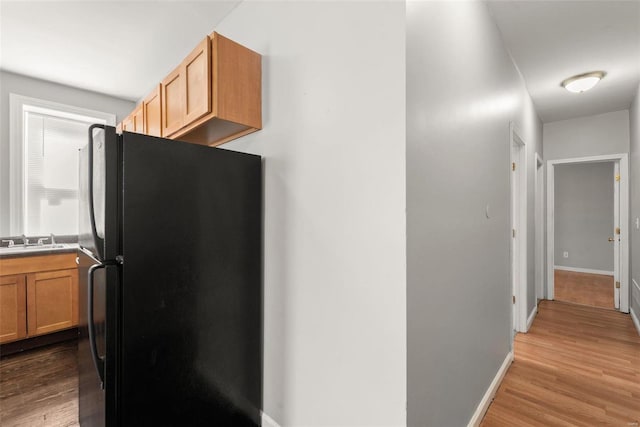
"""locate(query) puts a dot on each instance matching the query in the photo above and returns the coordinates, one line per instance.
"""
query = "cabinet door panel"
(127, 124)
(173, 102)
(138, 119)
(13, 308)
(52, 301)
(197, 72)
(153, 113)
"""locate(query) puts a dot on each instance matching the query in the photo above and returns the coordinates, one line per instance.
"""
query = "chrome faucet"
(53, 239)
(10, 242)
(41, 240)
(25, 241)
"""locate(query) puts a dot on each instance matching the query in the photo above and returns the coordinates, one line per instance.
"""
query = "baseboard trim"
(531, 317)
(583, 270)
(267, 421)
(491, 392)
(635, 319)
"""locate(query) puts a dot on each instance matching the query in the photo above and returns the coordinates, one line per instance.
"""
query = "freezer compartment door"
(98, 198)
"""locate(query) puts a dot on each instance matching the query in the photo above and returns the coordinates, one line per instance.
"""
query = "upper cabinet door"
(186, 92)
(134, 122)
(197, 73)
(153, 113)
(172, 99)
(138, 119)
(128, 124)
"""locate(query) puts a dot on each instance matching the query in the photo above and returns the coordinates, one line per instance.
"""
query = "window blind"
(51, 173)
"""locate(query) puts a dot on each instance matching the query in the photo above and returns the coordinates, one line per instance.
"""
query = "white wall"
(583, 214)
(23, 85)
(606, 133)
(334, 149)
(462, 91)
(634, 160)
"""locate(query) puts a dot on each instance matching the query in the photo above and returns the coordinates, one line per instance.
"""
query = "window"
(46, 138)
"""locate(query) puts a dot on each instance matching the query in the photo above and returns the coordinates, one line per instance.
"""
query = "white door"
(515, 252)
(539, 229)
(615, 239)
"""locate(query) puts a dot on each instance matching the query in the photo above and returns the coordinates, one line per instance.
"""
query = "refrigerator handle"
(98, 361)
(99, 241)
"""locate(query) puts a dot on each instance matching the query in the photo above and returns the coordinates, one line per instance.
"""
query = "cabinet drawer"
(32, 264)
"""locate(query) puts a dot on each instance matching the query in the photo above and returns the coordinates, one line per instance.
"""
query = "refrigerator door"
(98, 206)
(191, 285)
(97, 343)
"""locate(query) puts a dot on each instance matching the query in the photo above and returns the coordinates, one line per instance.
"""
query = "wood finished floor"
(577, 366)
(40, 387)
(583, 288)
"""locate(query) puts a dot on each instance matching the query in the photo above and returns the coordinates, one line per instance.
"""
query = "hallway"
(577, 365)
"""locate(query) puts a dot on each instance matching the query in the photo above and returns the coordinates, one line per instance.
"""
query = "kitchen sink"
(23, 249)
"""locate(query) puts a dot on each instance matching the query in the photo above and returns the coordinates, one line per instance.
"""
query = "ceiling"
(123, 48)
(120, 48)
(552, 40)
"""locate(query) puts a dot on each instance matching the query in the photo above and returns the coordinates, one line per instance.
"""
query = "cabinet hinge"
(617, 230)
(513, 299)
(513, 166)
(513, 232)
(617, 178)
(617, 285)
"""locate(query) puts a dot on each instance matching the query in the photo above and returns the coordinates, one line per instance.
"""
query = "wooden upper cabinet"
(235, 95)
(153, 112)
(237, 79)
(52, 301)
(186, 92)
(13, 308)
(134, 122)
(213, 96)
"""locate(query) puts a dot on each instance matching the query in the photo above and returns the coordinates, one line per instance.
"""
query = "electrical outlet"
(565, 254)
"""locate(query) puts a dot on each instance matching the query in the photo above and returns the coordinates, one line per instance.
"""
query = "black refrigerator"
(170, 295)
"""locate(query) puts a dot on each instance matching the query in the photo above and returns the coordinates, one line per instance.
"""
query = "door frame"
(623, 159)
(518, 246)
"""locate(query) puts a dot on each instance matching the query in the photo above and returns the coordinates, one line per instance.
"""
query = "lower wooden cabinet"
(34, 302)
(52, 301)
(13, 308)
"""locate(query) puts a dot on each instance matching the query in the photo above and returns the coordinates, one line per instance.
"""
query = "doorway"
(590, 265)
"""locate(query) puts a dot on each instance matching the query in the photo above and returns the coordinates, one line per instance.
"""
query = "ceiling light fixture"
(583, 82)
